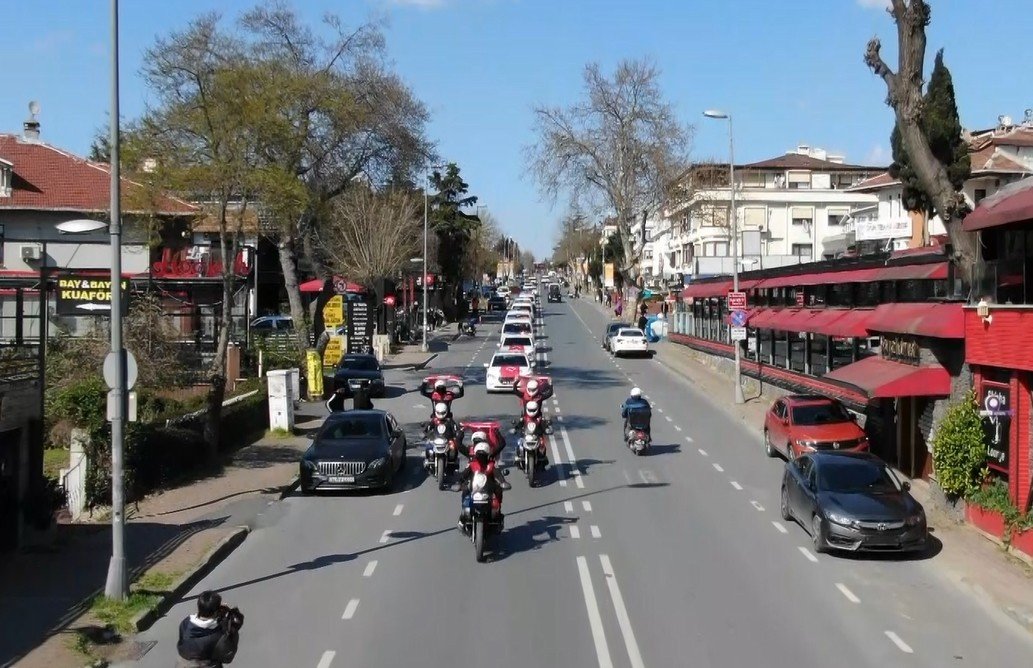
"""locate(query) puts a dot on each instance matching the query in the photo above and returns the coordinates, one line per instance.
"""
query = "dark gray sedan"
(852, 501)
(354, 450)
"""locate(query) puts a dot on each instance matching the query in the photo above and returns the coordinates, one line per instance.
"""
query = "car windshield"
(612, 327)
(516, 327)
(517, 341)
(852, 476)
(352, 427)
(823, 413)
(359, 363)
(630, 332)
(509, 360)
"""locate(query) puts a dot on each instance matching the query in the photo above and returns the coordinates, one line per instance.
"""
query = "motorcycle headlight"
(842, 520)
(480, 481)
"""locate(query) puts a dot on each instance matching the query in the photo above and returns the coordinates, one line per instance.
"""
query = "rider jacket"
(496, 481)
(637, 404)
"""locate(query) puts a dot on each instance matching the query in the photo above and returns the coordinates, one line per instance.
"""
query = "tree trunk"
(217, 376)
(289, 267)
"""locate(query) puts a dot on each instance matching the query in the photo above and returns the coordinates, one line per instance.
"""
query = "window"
(721, 249)
(753, 180)
(803, 250)
(802, 215)
(838, 216)
(980, 195)
(799, 180)
(754, 216)
(6, 179)
(1, 245)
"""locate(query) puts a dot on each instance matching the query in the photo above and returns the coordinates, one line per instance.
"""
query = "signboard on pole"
(738, 333)
(333, 312)
(736, 301)
(86, 295)
(360, 327)
(738, 318)
(334, 350)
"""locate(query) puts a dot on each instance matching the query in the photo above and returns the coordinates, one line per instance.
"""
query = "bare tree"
(904, 95)
(618, 149)
(481, 257)
(368, 235)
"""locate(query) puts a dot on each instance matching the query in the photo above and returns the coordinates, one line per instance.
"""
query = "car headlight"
(376, 464)
(915, 520)
(809, 444)
(842, 520)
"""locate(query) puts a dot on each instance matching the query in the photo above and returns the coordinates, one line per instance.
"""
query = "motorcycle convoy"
(482, 480)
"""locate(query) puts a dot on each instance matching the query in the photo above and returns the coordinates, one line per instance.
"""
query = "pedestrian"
(210, 638)
(361, 400)
(642, 322)
(665, 308)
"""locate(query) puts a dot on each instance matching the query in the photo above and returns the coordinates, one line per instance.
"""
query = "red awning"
(316, 285)
(1011, 204)
(711, 289)
(841, 323)
(933, 270)
(943, 321)
(765, 318)
(881, 378)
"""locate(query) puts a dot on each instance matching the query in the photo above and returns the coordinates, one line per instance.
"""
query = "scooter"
(469, 328)
(636, 431)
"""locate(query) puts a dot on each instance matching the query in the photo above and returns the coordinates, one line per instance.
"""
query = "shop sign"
(333, 312)
(334, 350)
(736, 301)
(360, 327)
(995, 409)
(84, 295)
(901, 349)
(882, 228)
(799, 298)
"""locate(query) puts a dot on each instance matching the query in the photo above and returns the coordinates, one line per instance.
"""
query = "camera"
(231, 620)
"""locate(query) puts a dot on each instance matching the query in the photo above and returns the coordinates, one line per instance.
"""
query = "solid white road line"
(596, 533)
(781, 529)
(556, 461)
(737, 486)
(349, 610)
(718, 468)
(587, 506)
(846, 592)
(756, 505)
(326, 659)
(575, 532)
(398, 510)
(807, 553)
(386, 536)
(595, 621)
(703, 452)
(370, 567)
(901, 645)
(634, 655)
(568, 506)
(572, 460)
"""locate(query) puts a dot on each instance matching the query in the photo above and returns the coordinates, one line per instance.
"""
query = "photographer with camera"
(209, 639)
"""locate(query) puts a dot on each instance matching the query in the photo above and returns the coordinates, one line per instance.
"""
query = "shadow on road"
(528, 536)
(655, 450)
(587, 379)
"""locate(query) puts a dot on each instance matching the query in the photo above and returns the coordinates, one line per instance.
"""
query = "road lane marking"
(647, 476)
(660, 410)
(718, 468)
(781, 529)
(370, 567)
(596, 533)
(595, 621)
(587, 506)
(556, 461)
(756, 505)
(326, 659)
(634, 655)
(901, 645)
(703, 452)
(571, 459)
(568, 506)
(807, 553)
(386, 536)
(560, 418)
(677, 428)
(556, 409)
(843, 589)
(398, 510)
(668, 418)
(349, 610)
(737, 486)
(575, 532)
(688, 439)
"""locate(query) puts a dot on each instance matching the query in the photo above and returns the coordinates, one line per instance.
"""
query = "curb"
(290, 487)
(186, 582)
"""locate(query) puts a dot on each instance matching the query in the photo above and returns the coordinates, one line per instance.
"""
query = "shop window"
(868, 294)
(781, 348)
(915, 290)
(888, 292)
(764, 340)
(819, 351)
(841, 294)
(802, 250)
(842, 353)
(797, 352)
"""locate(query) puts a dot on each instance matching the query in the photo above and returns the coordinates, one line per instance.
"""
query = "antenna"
(34, 108)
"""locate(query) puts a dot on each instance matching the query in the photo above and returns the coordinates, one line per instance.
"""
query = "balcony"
(196, 262)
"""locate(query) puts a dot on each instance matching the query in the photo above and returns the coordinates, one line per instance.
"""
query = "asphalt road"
(678, 558)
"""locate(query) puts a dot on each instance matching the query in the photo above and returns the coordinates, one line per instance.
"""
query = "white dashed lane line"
(703, 452)
(398, 510)
(596, 533)
(386, 536)
(349, 610)
(677, 428)
(736, 485)
(756, 505)
(807, 553)
(575, 532)
(850, 596)
(587, 505)
(370, 567)
(718, 468)
(326, 659)
(568, 506)
(781, 529)
(901, 645)
(668, 418)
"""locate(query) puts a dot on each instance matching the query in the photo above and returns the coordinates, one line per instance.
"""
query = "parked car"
(354, 450)
(269, 323)
(504, 369)
(852, 501)
(354, 368)
(611, 330)
(629, 341)
(800, 423)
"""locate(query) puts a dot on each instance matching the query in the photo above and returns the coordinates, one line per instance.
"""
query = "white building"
(786, 208)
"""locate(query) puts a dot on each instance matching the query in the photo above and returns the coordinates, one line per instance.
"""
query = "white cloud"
(874, 4)
(878, 156)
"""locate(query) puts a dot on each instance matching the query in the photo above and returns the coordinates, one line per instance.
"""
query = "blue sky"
(791, 72)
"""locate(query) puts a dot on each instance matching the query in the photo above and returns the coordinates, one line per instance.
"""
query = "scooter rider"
(481, 462)
(636, 402)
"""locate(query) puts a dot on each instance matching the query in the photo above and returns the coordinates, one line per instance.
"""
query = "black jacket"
(361, 400)
(207, 647)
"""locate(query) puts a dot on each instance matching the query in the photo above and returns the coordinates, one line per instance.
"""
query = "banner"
(86, 295)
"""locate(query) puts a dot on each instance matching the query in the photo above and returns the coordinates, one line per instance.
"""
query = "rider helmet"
(636, 393)
(532, 408)
(479, 437)
(439, 384)
(440, 409)
(532, 387)
(481, 451)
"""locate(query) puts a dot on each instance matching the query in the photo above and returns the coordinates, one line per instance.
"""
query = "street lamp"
(426, 215)
(733, 227)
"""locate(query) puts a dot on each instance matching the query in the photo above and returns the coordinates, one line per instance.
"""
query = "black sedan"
(354, 450)
(355, 368)
(611, 331)
(496, 303)
(852, 501)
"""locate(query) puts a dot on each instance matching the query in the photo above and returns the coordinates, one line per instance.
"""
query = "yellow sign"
(334, 350)
(315, 375)
(333, 313)
(608, 275)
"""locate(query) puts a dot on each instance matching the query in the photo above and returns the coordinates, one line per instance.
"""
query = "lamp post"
(426, 218)
(733, 228)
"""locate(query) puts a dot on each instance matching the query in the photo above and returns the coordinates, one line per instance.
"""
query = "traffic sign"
(736, 301)
(109, 369)
(333, 312)
(738, 333)
(738, 318)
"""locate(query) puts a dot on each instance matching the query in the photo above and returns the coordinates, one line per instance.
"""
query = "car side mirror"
(906, 486)
(485, 365)
(311, 436)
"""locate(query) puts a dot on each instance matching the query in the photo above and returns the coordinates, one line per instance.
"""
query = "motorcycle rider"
(536, 425)
(636, 402)
(481, 462)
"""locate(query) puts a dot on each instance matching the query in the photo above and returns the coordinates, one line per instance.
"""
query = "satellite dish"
(34, 107)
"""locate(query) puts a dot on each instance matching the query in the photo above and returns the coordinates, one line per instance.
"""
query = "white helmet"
(440, 409)
(531, 407)
(635, 392)
(439, 384)
(479, 437)
(532, 386)
(480, 449)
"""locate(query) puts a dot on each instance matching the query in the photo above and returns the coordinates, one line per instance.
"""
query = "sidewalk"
(411, 357)
(968, 559)
(44, 595)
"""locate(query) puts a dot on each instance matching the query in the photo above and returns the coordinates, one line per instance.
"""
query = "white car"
(517, 309)
(504, 369)
(503, 291)
(629, 341)
(517, 343)
(517, 329)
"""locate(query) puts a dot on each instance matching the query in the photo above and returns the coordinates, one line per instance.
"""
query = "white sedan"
(517, 344)
(504, 369)
(629, 341)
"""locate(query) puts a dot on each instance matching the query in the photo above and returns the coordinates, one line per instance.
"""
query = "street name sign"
(736, 301)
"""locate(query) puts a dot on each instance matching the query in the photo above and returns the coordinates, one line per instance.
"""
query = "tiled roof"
(990, 159)
(798, 161)
(47, 178)
(878, 181)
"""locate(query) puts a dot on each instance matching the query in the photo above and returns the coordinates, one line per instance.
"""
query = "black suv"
(554, 293)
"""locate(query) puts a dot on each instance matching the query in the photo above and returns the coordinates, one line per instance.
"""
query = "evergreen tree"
(942, 128)
(453, 228)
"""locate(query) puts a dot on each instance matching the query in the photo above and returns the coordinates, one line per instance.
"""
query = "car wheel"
(769, 449)
(818, 534)
(783, 505)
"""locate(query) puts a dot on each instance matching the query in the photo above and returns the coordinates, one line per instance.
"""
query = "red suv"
(800, 423)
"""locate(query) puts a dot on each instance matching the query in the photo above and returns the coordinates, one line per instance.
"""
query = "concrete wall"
(80, 251)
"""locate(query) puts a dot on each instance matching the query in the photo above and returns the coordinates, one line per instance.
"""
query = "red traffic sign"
(736, 301)
(389, 300)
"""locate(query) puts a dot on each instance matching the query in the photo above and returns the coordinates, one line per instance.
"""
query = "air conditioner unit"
(31, 252)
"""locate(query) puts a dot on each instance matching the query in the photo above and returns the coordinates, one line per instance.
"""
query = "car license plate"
(340, 479)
